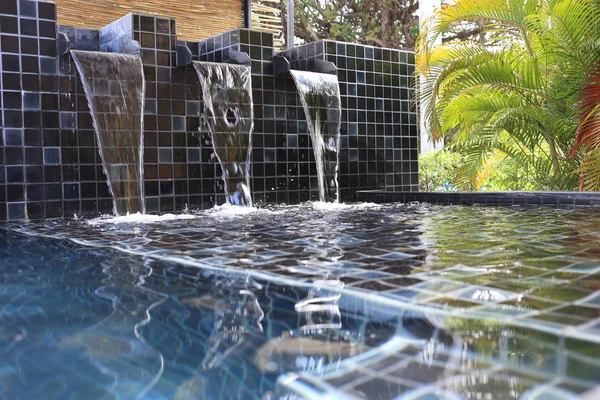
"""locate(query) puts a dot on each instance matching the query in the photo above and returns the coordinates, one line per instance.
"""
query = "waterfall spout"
(320, 96)
(115, 87)
(229, 113)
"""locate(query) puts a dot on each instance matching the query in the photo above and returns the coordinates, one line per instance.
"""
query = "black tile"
(13, 119)
(11, 63)
(33, 137)
(9, 44)
(47, 29)
(30, 64)
(35, 210)
(163, 42)
(147, 24)
(12, 100)
(46, 10)
(34, 174)
(162, 25)
(14, 174)
(9, 24)
(29, 27)
(48, 47)
(29, 46)
(8, 7)
(53, 191)
(70, 191)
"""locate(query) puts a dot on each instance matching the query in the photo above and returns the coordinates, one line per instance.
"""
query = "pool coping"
(549, 199)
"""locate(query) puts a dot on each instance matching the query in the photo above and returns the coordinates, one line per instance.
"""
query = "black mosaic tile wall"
(49, 161)
(379, 121)
(29, 147)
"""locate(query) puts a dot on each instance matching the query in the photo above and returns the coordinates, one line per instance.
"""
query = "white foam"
(138, 218)
(323, 206)
(225, 210)
(228, 210)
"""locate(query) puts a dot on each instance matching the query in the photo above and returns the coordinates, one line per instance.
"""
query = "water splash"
(320, 96)
(228, 210)
(138, 219)
(229, 113)
(322, 206)
(115, 87)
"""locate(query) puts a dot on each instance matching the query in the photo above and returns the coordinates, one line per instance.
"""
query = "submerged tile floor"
(514, 294)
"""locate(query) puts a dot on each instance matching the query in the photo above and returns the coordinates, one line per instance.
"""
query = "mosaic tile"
(181, 171)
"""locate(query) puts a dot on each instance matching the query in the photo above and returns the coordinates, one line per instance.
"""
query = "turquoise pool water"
(363, 301)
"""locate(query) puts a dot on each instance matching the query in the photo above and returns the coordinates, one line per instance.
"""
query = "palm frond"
(528, 94)
(588, 132)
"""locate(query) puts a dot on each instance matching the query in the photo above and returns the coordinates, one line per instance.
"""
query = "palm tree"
(588, 134)
(516, 94)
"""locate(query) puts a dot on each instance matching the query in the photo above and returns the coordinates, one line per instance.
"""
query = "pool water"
(355, 301)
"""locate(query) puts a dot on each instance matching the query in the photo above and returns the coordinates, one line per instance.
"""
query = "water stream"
(114, 86)
(228, 110)
(320, 96)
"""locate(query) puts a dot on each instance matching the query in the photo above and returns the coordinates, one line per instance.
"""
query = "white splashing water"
(320, 96)
(138, 218)
(323, 206)
(229, 210)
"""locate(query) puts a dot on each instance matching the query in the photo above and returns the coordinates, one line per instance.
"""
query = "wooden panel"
(196, 19)
(266, 16)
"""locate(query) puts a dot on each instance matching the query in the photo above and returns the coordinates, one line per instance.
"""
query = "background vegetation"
(385, 23)
(520, 103)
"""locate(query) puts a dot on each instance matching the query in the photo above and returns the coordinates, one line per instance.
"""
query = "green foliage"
(509, 102)
(442, 171)
(508, 175)
(437, 171)
(384, 23)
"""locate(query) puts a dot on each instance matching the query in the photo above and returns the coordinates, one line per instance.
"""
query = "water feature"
(229, 114)
(320, 96)
(115, 87)
(376, 301)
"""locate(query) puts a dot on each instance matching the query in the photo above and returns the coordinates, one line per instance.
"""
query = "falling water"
(320, 96)
(228, 110)
(115, 87)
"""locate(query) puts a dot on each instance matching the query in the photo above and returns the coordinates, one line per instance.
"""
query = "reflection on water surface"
(369, 301)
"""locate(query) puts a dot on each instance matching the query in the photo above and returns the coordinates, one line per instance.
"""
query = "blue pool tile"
(16, 211)
(193, 155)
(150, 106)
(48, 66)
(165, 155)
(178, 124)
(51, 155)
(269, 155)
(292, 141)
(14, 174)
(13, 137)
(68, 120)
(31, 101)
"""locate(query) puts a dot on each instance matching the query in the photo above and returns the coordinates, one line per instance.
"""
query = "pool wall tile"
(566, 200)
(48, 145)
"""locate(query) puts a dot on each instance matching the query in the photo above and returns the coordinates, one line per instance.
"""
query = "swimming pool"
(367, 301)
